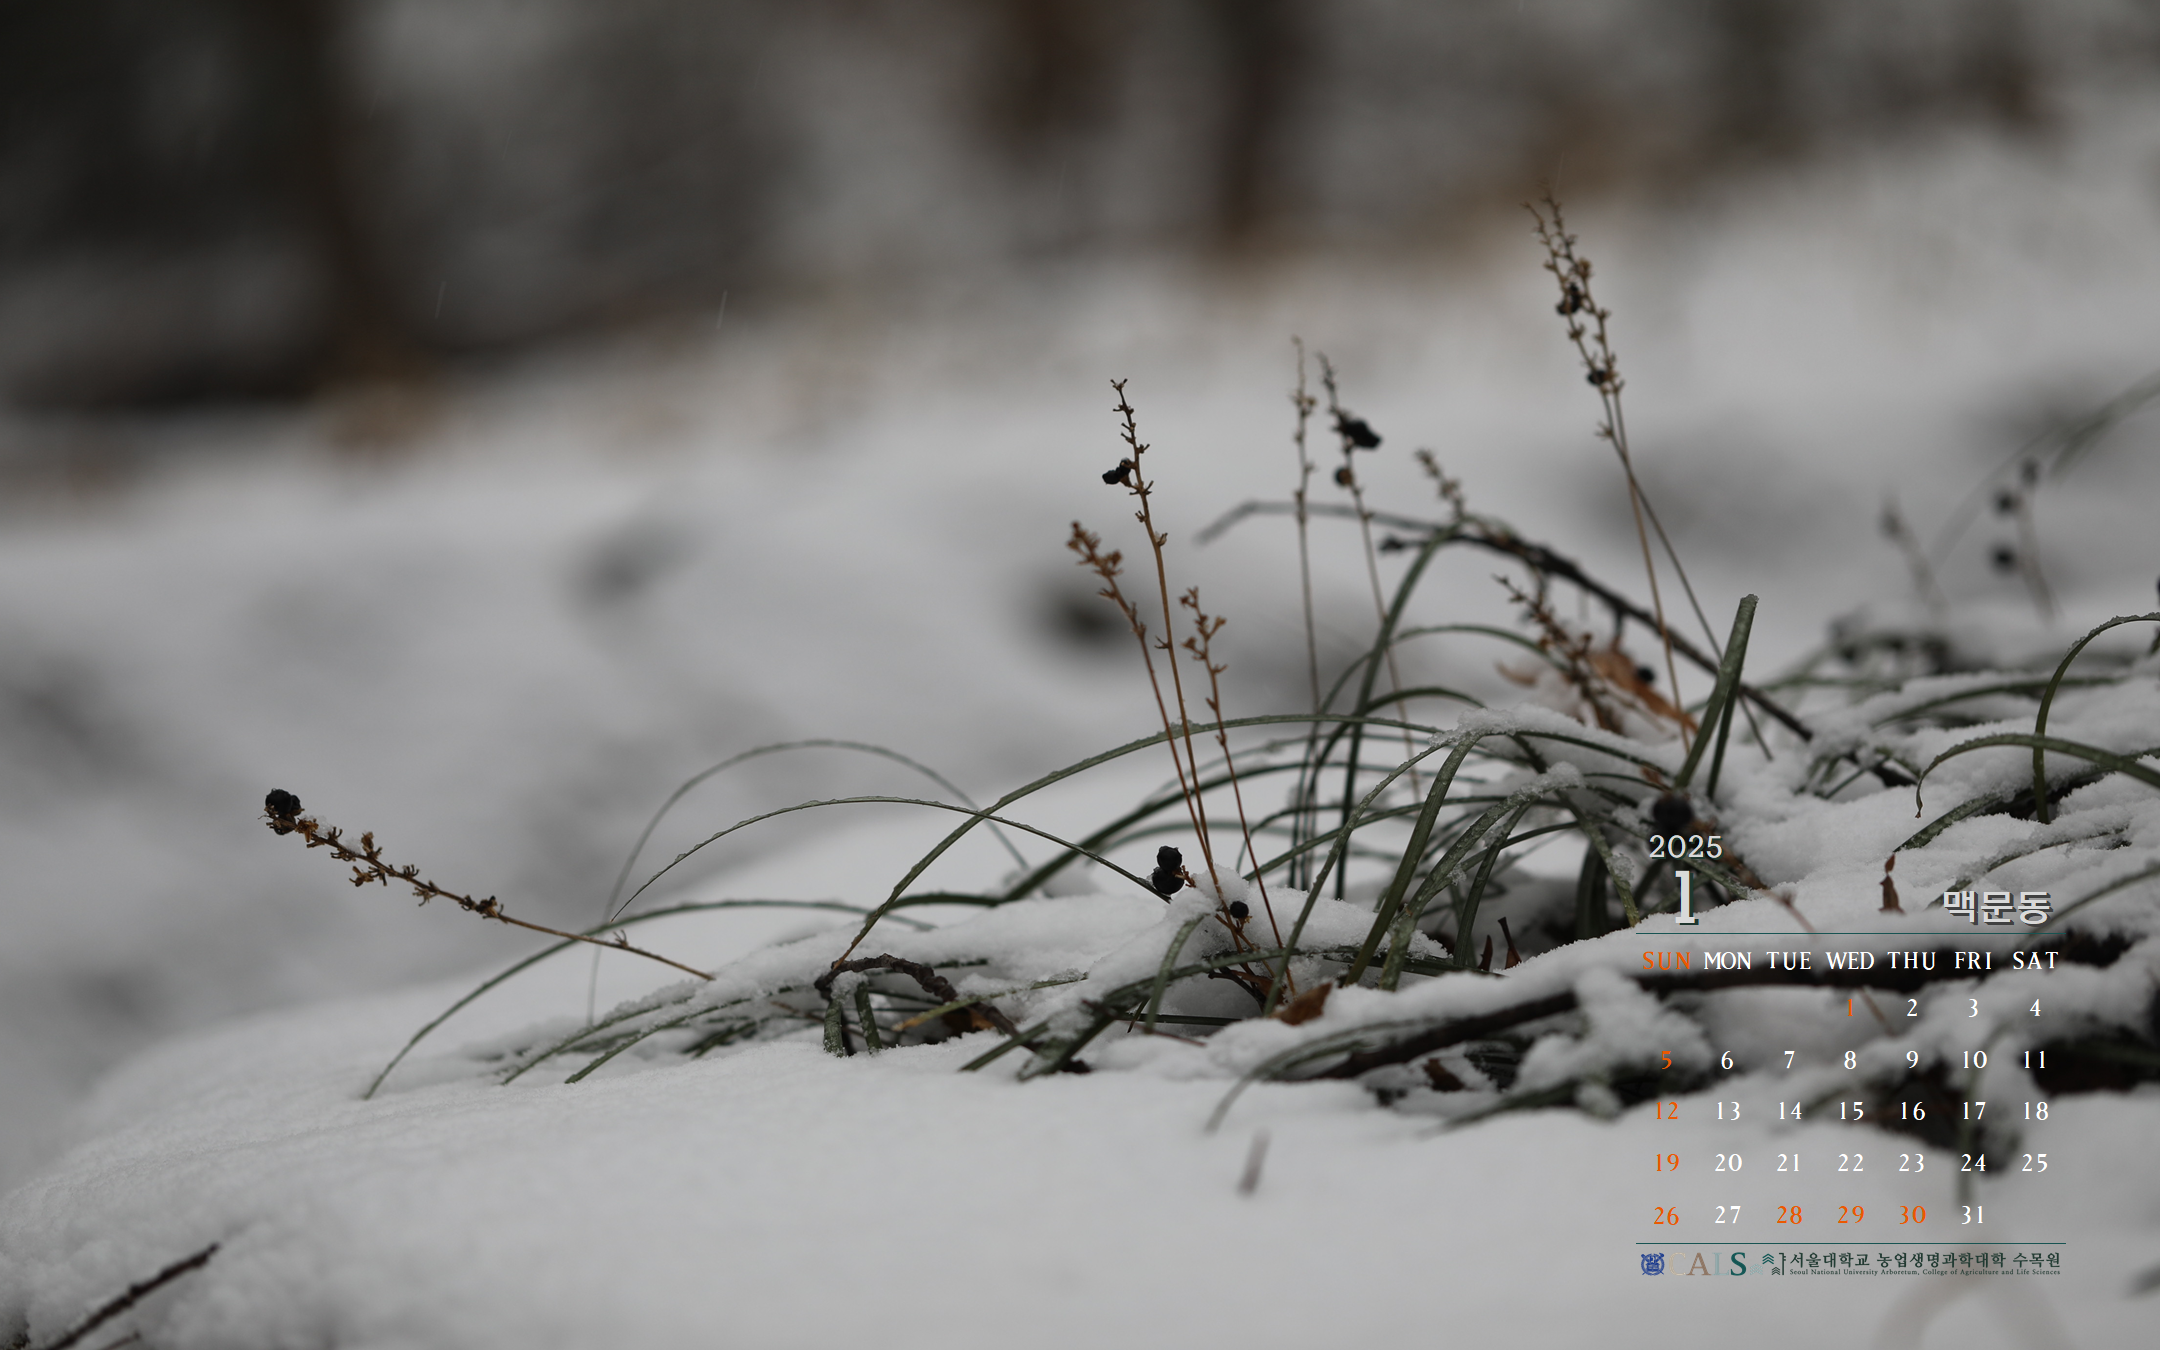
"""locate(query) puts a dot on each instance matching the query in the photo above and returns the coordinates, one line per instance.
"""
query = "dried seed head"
(1344, 478)
(1122, 474)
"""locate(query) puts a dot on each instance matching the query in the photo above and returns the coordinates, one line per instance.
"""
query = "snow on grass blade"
(2107, 760)
(1169, 959)
(2047, 700)
(628, 1041)
(537, 957)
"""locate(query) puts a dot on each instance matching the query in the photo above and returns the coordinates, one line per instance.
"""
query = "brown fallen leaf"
(1306, 1006)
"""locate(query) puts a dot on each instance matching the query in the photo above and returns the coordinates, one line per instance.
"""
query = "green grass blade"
(1275, 1066)
(2047, 700)
(1082, 766)
(2105, 891)
(1717, 756)
(1723, 693)
(1413, 853)
(622, 878)
(1620, 884)
(1336, 851)
(976, 816)
(836, 1027)
(2091, 754)
(1466, 916)
(866, 1017)
(646, 1034)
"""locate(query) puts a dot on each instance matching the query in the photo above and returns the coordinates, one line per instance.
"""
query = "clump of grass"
(1436, 836)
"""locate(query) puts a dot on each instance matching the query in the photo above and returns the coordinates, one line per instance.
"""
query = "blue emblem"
(1653, 1263)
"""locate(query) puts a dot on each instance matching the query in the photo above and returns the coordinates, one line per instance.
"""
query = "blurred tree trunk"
(1257, 44)
(367, 335)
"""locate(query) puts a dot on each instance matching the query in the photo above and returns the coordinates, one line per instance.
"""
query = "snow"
(501, 650)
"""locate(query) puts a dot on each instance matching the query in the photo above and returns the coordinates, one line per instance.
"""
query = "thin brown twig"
(1202, 649)
(283, 809)
(1347, 428)
(1107, 567)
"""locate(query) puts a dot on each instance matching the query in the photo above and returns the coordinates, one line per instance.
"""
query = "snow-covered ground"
(500, 641)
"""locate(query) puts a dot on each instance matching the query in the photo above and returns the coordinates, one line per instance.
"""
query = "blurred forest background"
(211, 199)
(477, 416)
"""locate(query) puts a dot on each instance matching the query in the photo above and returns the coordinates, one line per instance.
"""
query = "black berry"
(281, 804)
(1672, 813)
(2004, 557)
(1121, 474)
(1165, 878)
(2006, 503)
(1239, 909)
(1645, 675)
(1357, 431)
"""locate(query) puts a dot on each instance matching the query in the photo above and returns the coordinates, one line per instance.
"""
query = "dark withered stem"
(1088, 546)
(134, 1294)
(1899, 533)
(934, 984)
(1306, 818)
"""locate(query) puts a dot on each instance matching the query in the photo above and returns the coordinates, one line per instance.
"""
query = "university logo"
(1653, 1263)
